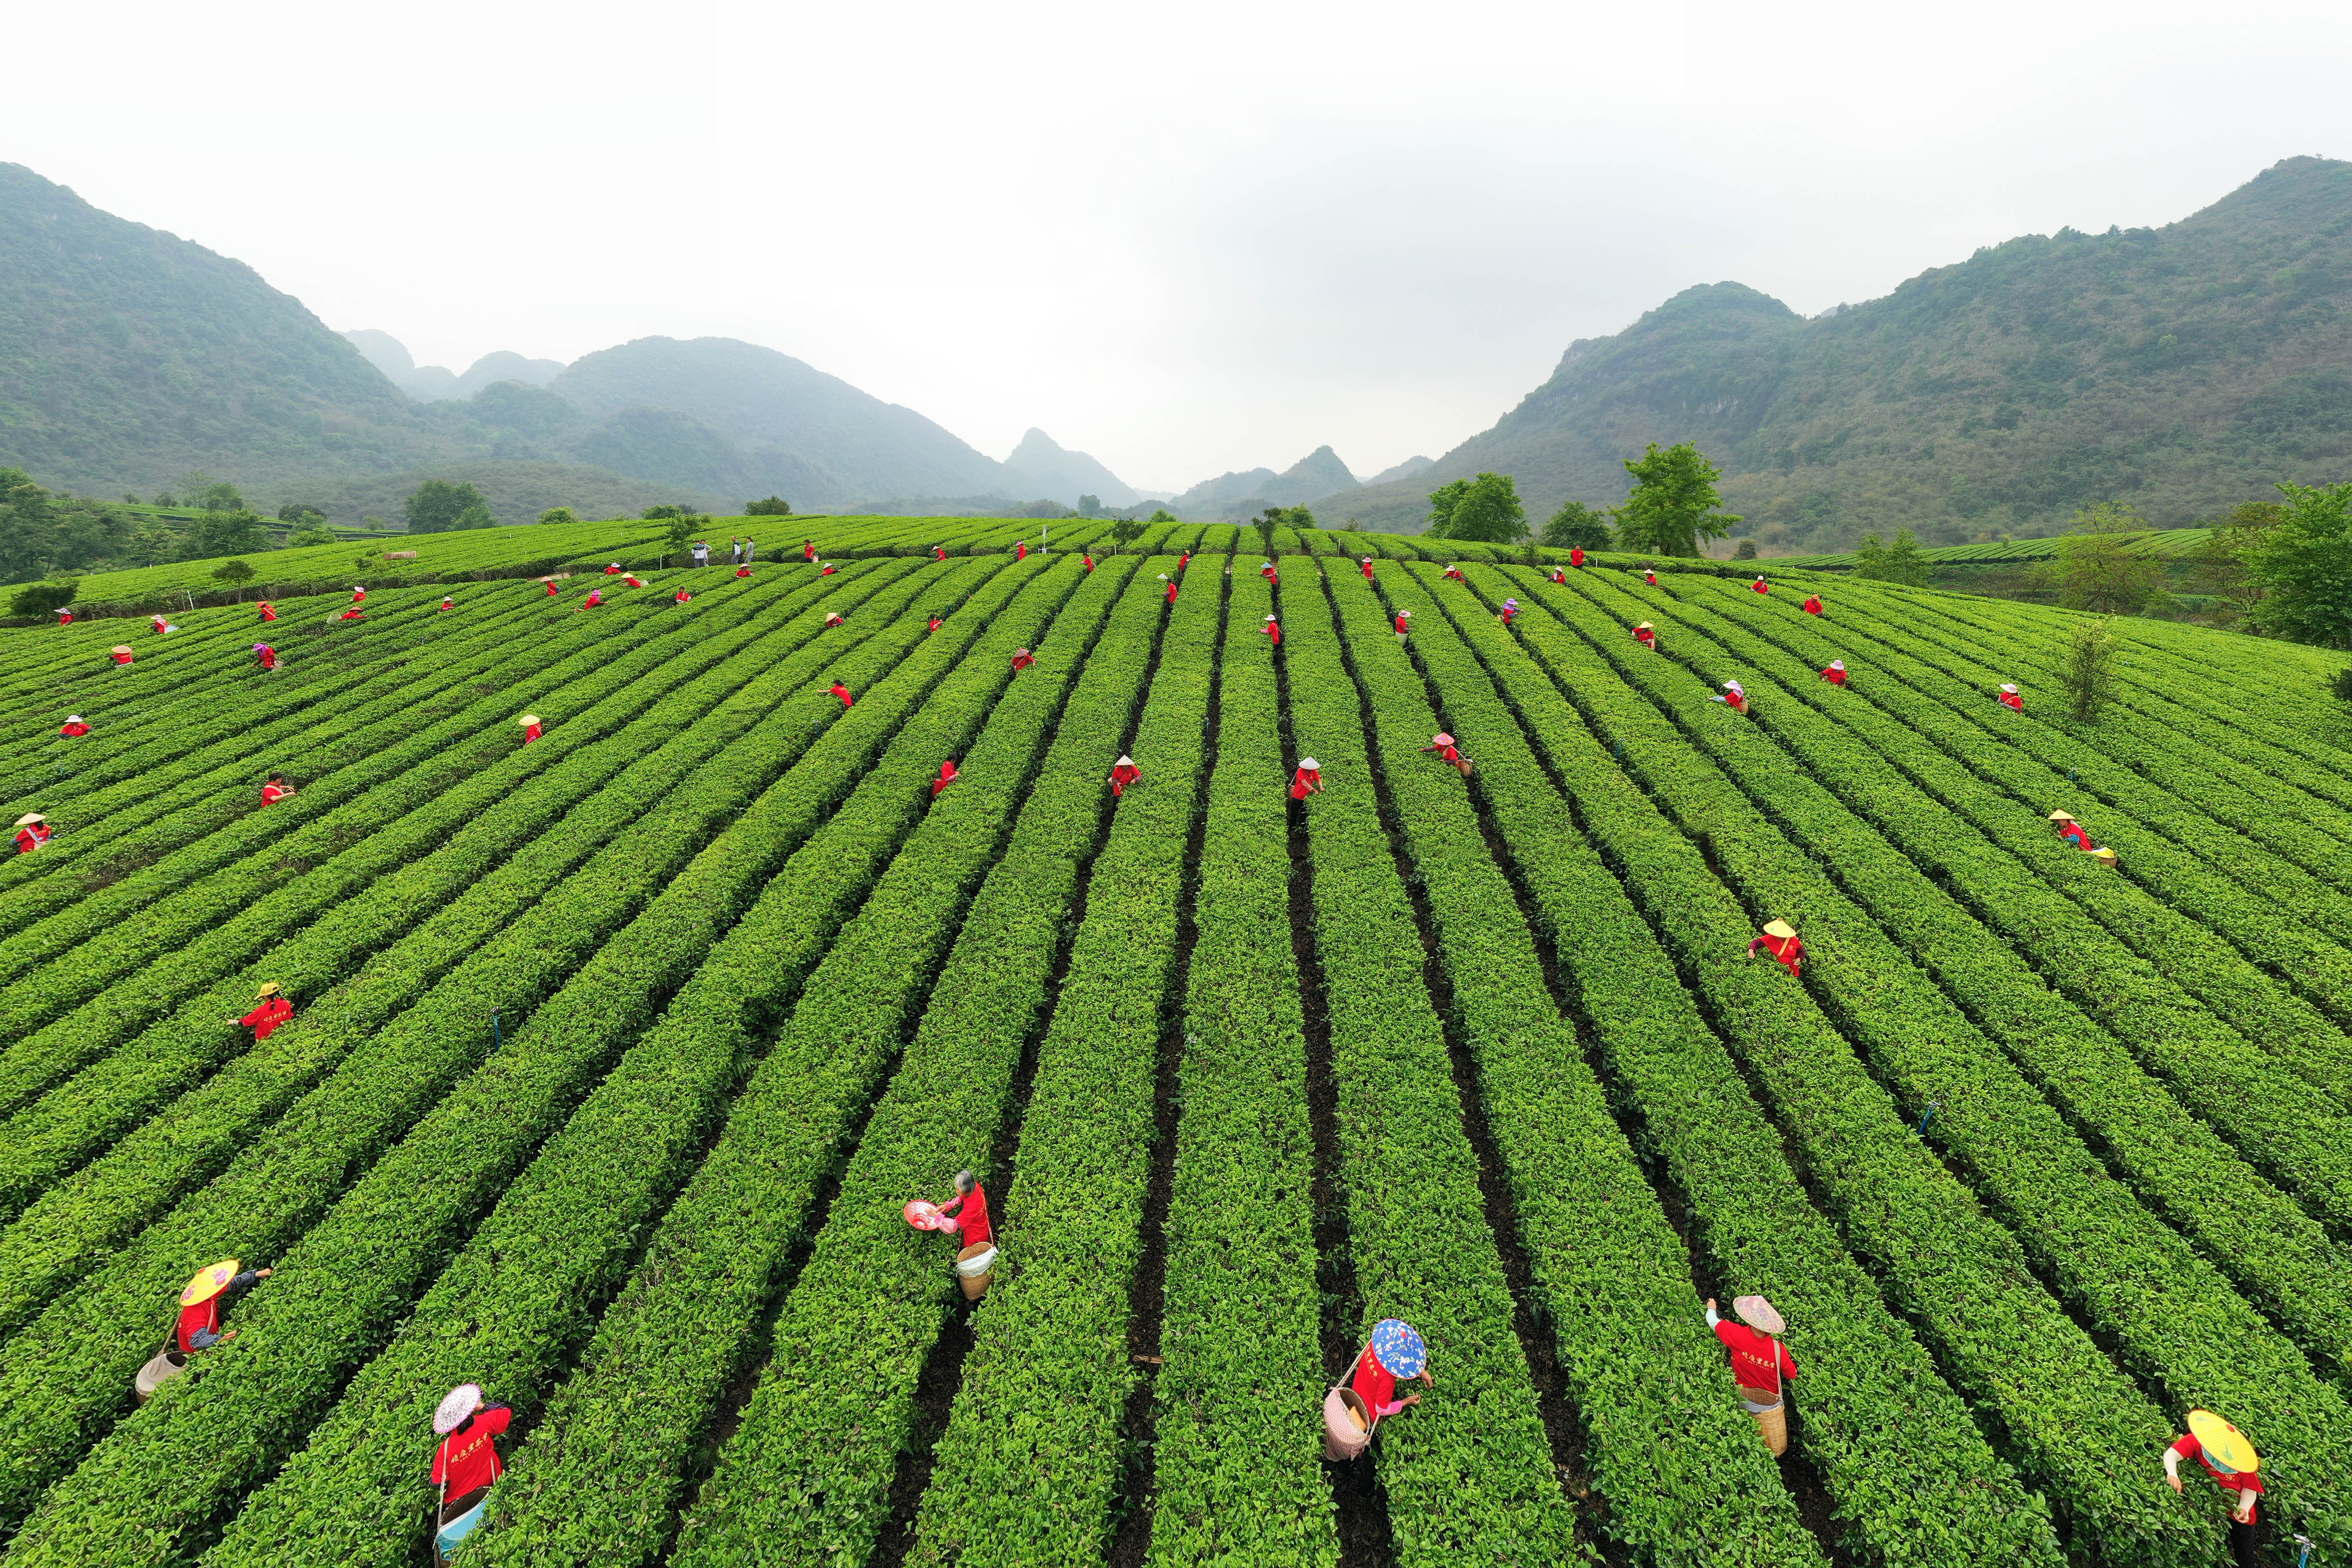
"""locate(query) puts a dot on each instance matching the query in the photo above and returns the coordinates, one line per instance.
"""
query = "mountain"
(2184, 369)
(438, 383)
(1404, 470)
(129, 356)
(1040, 469)
(1229, 496)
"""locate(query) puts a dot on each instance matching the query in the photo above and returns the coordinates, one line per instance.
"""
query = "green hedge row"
(2192, 1334)
(1908, 1473)
(2069, 1419)
(66, 1377)
(1034, 1443)
(1683, 1472)
(198, 939)
(1469, 1472)
(1236, 1448)
(878, 1290)
(353, 977)
(519, 1300)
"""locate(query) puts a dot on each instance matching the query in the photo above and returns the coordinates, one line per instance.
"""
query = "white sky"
(1185, 239)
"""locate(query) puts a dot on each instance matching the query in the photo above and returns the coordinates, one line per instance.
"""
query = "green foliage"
(559, 514)
(436, 505)
(2339, 685)
(1485, 509)
(1746, 551)
(2096, 567)
(1577, 526)
(1128, 529)
(1674, 503)
(2087, 674)
(234, 532)
(773, 506)
(305, 538)
(300, 512)
(221, 496)
(1264, 526)
(235, 573)
(1160, 514)
(42, 598)
(1901, 562)
(2304, 568)
(475, 516)
(1089, 506)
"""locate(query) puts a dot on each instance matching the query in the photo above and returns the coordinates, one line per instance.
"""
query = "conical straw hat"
(1780, 928)
(1758, 1313)
(1125, 760)
(1310, 765)
(209, 1283)
(1645, 626)
(120, 648)
(29, 818)
(2060, 816)
(528, 719)
(2224, 1444)
(269, 988)
(1441, 739)
(455, 1405)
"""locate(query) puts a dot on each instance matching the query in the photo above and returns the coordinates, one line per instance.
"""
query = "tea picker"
(1759, 1361)
(270, 1009)
(2230, 1460)
(1352, 1412)
(466, 1463)
(1122, 774)
(1780, 939)
(966, 1214)
(1448, 752)
(32, 830)
(201, 1302)
(1308, 779)
(2073, 832)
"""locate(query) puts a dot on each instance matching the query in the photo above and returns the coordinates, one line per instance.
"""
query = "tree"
(235, 533)
(1128, 529)
(1901, 563)
(1089, 506)
(1674, 502)
(309, 536)
(2088, 674)
(2339, 685)
(1744, 550)
(475, 516)
(775, 506)
(2304, 568)
(2098, 568)
(2219, 566)
(437, 504)
(680, 535)
(559, 514)
(235, 573)
(674, 508)
(1266, 524)
(1577, 526)
(299, 513)
(1161, 514)
(42, 598)
(1486, 509)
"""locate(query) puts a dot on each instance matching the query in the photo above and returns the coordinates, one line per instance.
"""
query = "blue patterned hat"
(1399, 1347)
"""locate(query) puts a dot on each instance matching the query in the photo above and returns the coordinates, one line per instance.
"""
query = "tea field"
(615, 1055)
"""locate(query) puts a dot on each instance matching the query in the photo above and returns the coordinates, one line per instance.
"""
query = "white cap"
(73, 718)
(1269, 617)
(1837, 664)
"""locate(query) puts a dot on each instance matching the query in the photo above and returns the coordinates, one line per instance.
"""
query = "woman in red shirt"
(1812, 605)
(1576, 557)
(466, 1463)
(940, 552)
(1759, 1363)
(270, 1009)
(832, 619)
(1780, 939)
(1273, 631)
(1123, 774)
(73, 726)
(121, 654)
(275, 788)
(1836, 673)
(838, 690)
(2010, 697)
(1022, 659)
(65, 618)
(1443, 744)
(32, 830)
(1455, 571)
(1088, 559)
(1171, 587)
(1650, 574)
(1308, 779)
(1647, 635)
(1759, 584)
(683, 596)
(947, 776)
(1394, 1354)
(936, 624)
(1368, 568)
(2230, 1460)
(1736, 695)
(200, 1305)
(530, 727)
(969, 1209)
(268, 610)
(265, 656)
(1401, 616)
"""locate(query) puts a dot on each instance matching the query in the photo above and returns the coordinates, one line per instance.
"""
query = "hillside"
(616, 1056)
(2185, 369)
(438, 383)
(1245, 492)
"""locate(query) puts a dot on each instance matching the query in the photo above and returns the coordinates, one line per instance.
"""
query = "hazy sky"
(1185, 239)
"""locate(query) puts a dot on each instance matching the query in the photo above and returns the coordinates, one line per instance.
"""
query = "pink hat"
(455, 1405)
(1837, 664)
(1441, 739)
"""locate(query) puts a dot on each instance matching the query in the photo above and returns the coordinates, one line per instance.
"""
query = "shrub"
(40, 598)
(2088, 674)
(775, 506)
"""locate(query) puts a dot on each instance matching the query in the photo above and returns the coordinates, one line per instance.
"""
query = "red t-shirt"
(202, 1318)
(1576, 557)
(971, 1211)
(467, 1457)
(1399, 625)
(70, 729)
(268, 614)
(264, 1020)
(1757, 1359)
(841, 692)
(2189, 1448)
(31, 837)
(1375, 1385)
(1171, 592)
(1367, 571)
(272, 794)
(1813, 605)
(1274, 630)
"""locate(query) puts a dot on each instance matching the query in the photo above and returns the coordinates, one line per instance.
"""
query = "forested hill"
(2185, 369)
(129, 356)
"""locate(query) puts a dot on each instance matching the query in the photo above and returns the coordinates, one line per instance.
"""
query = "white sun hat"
(2006, 686)
(455, 1405)
(29, 818)
(1125, 760)
(1310, 765)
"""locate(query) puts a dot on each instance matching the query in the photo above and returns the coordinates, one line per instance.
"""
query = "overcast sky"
(1185, 239)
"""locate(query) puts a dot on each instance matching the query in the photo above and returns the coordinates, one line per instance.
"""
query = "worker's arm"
(2172, 1467)
(1714, 1317)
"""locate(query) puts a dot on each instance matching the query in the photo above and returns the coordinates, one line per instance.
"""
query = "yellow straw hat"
(2060, 816)
(269, 988)
(120, 648)
(528, 719)
(2224, 1444)
(212, 1281)
(29, 818)
(1780, 928)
